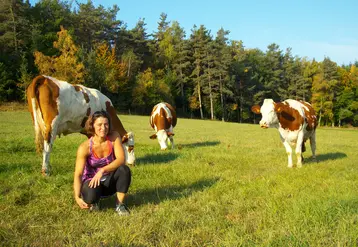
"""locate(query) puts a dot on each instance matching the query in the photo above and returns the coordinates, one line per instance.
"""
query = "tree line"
(201, 74)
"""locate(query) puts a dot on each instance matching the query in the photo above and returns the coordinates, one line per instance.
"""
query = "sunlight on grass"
(225, 184)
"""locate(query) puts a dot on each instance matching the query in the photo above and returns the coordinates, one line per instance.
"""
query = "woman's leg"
(91, 195)
(118, 182)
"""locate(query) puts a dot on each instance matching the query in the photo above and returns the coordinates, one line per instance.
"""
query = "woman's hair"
(90, 121)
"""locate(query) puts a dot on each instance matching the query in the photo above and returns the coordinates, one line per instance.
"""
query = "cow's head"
(162, 136)
(269, 110)
(128, 143)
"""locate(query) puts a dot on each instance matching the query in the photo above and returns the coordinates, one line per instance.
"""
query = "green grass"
(225, 184)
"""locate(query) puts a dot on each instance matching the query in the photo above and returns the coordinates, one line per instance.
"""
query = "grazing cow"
(58, 107)
(295, 120)
(163, 119)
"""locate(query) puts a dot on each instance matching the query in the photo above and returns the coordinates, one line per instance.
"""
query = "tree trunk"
(222, 100)
(240, 102)
(200, 104)
(129, 68)
(14, 26)
(211, 101)
(182, 89)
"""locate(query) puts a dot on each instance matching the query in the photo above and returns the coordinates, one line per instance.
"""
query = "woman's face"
(101, 127)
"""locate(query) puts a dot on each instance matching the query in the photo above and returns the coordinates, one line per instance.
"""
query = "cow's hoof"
(45, 173)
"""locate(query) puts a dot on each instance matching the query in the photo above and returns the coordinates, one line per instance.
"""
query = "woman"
(100, 166)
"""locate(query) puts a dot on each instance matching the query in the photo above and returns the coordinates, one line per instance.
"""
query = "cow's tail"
(35, 110)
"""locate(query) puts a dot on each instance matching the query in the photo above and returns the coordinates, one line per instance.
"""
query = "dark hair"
(90, 121)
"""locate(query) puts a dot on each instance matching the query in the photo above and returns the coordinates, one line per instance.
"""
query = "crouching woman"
(100, 166)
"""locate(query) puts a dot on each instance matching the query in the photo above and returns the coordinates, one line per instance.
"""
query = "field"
(225, 184)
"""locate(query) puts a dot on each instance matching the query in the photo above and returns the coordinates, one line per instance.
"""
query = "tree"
(15, 42)
(182, 63)
(162, 42)
(114, 72)
(46, 18)
(222, 64)
(272, 73)
(65, 66)
(199, 40)
(149, 90)
(96, 25)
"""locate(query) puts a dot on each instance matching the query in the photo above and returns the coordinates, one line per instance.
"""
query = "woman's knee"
(90, 195)
(124, 170)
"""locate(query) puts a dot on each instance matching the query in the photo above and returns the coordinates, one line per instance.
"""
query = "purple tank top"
(93, 164)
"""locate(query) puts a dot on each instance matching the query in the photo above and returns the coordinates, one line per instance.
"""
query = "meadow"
(225, 184)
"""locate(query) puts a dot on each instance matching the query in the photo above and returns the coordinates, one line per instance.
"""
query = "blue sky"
(313, 29)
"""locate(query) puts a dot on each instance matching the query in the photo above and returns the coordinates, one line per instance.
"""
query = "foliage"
(65, 66)
(150, 89)
(114, 71)
(203, 76)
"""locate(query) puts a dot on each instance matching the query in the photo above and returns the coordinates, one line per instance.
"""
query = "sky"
(314, 29)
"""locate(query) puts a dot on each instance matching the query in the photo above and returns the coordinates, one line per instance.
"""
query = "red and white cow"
(58, 107)
(295, 120)
(163, 119)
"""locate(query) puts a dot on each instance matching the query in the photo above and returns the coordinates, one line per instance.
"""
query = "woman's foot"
(122, 209)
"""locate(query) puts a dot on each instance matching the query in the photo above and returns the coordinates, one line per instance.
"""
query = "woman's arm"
(77, 178)
(118, 161)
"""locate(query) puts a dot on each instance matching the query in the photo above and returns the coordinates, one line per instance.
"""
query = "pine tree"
(181, 63)
(162, 42)
(199, 42)
(96, 25)
(272, 73)
(222, 64)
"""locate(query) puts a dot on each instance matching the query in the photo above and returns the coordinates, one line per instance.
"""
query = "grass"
(225, 184)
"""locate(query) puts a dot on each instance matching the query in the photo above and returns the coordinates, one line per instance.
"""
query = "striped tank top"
(93, 163)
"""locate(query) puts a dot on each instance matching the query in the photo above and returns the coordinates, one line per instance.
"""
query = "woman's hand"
(81, 203)
(96, 180)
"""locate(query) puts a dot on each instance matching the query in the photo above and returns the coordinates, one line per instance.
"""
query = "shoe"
(122, 209)
(94, 207)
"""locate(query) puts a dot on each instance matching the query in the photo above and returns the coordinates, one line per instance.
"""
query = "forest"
(203, 74)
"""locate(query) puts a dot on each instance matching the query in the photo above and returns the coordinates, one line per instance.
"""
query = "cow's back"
(163, 116)
(310, 116)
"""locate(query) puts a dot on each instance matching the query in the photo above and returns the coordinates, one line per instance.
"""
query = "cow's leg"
(171, 140)
(289, 153)
(313, 144)
(49, 139)
(298, 150)
(46, 158)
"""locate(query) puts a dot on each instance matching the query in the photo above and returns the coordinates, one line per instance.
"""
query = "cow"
(296, 122)
(163, 119)
(58, 107)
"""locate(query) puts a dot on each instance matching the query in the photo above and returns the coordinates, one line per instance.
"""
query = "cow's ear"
(125, 138)
(154, 136)
(256, 109)
(170, 133)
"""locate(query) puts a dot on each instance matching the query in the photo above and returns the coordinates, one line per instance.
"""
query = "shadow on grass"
(325, 157)
(157, 195)
(163, 157)
(198, 144)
